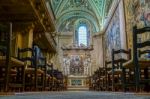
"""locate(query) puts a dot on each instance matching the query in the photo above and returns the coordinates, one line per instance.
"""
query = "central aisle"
(75, 95)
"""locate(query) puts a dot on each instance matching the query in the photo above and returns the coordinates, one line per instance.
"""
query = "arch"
(79, 14)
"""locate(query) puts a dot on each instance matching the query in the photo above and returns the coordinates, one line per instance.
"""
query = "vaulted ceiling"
(68, 12)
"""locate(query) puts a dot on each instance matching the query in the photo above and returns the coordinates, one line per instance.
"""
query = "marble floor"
(75, 95)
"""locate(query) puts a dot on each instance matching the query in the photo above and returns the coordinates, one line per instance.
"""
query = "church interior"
(75, 45)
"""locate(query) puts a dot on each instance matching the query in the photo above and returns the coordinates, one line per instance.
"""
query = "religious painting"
(142, 16)
(142, 13)
(112, 36)
(76, 65)
(137, 13)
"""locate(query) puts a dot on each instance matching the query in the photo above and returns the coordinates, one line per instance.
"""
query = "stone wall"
(97, 53)
(65, 38)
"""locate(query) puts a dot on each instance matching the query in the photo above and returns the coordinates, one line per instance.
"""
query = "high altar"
(77, 66)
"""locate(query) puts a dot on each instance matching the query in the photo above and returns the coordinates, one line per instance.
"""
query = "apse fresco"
(76, 64)
(112, 36)
(137, 13)
(142, 13)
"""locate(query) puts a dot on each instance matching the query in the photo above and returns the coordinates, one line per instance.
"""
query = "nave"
(57, 46)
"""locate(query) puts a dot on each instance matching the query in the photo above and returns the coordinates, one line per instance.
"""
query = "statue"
(66, 65)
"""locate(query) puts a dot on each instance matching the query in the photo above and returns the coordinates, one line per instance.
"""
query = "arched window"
(82, 35)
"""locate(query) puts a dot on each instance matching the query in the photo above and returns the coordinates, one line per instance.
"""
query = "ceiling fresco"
(69, 12)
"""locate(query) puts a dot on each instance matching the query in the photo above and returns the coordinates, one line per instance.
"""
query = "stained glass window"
(82, 35)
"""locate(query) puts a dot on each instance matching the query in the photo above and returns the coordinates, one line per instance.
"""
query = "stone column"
(82, 82)
(30, 38)
(70, 82)
(19, 40)
(27, 41)
(122, 25)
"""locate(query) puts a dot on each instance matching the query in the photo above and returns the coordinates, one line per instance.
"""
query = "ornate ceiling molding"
(78, 15)
(64, 2)
(83, 21)
(92, 10)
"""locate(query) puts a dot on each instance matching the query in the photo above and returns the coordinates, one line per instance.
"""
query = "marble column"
(122, 25)
(28, 39)
(82, 82)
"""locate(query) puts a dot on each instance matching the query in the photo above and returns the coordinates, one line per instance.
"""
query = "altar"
(77, 66)
(78, 82)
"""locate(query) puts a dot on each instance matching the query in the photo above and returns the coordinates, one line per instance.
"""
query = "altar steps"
(80, 88)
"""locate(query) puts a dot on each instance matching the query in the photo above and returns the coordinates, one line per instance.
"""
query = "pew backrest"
(122, 59)
(25, 58)
(139, 45)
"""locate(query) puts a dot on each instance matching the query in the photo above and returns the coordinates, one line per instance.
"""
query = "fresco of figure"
(76, 65)
(113, 35)
(87, 64)
(142, 13)
(146, 18)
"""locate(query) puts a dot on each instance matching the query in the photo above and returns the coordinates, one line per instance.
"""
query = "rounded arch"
(82, 21)
(76, 9)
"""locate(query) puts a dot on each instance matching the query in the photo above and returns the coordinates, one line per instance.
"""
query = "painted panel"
(77, 63)
(112, 36)
(137, 13)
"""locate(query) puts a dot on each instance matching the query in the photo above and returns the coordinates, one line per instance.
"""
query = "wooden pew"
(103, 79)
(12, 69)
(50, 72)
(58, 80)
(42, 64)
(100, 80)
(33, 74)
(97, 80)
(118, 58)
(94, 78)
(47, 76)
(136, 63)
(97, 73)
(145, 70)
(108, 82)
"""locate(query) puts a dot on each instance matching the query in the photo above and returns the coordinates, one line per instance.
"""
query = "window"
(82, 35)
